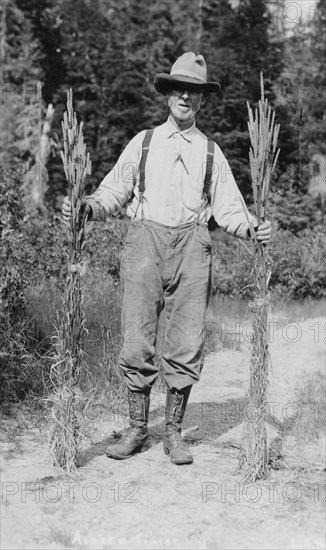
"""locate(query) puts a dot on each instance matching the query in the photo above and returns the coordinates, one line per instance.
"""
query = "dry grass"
(25, 361)
(69, 342)
(310, 398)
(263, 157)
(305, 434)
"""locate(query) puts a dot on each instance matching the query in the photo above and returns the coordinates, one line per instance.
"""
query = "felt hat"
(189, 69)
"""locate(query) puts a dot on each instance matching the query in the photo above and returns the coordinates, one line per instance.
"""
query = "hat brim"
(163, 83)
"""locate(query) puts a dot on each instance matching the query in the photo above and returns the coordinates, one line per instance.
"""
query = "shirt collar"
(186, 134)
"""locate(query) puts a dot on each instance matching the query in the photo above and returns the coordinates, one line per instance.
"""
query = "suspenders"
(209, 167)
(142, 165)
(145, 149)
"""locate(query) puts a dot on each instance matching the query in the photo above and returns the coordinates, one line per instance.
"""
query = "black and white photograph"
(163, 274)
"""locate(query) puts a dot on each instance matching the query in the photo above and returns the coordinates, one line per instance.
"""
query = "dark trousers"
(169, 268)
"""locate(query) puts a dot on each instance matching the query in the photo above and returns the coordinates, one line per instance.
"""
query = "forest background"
(108, 51)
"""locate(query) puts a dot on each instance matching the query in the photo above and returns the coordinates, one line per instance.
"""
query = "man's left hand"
(264, 232)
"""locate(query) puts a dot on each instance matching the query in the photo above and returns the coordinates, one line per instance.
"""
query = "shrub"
(298, 269)
(23, 365)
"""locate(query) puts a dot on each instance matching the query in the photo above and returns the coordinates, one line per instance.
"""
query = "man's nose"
(185, 94)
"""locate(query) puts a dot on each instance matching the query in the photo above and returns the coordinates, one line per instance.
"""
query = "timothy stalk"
(65, 373)
(263, 156)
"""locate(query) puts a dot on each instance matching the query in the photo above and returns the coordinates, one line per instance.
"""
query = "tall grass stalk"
(263, 156)
(65, 373)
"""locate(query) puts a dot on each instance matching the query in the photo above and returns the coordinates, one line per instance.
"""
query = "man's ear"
(203, 100)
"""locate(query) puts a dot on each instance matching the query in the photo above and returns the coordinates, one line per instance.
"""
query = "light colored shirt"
(174, 177)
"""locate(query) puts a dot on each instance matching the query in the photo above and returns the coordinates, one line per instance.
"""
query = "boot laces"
(174, 434)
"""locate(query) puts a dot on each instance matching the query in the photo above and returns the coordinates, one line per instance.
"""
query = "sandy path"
(146, 502)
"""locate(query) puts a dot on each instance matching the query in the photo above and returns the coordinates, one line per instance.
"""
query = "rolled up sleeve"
(228, 207)
(117, 186)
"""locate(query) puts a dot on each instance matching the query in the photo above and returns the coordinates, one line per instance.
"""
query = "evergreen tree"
(108, 52)
(110, 57)
(21, 76)
(299, 98)
(236, 43)
(318, 88)
(45, 19)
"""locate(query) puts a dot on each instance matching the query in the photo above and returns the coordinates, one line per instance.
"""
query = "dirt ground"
(147, 502)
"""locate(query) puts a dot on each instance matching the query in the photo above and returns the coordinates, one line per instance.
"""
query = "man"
(173, 180)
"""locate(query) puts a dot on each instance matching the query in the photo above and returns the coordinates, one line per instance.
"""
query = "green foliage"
(237, 46)
(296, 212)
(315, 93)
(12, 278)
(298, 269)
(299, 264)
(44, 255)
(21, 369)
(21, 87)
(300, 98)
(108, 52)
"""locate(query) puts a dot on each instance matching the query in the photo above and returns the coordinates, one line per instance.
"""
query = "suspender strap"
(209, 167)
(145, 149)
(142, 165)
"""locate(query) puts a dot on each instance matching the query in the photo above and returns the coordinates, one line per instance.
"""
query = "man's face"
(184, 104)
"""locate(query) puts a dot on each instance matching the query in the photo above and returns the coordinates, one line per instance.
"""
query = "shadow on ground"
(203, 423)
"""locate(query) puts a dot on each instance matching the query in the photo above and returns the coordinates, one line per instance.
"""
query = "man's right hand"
(66, 210)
